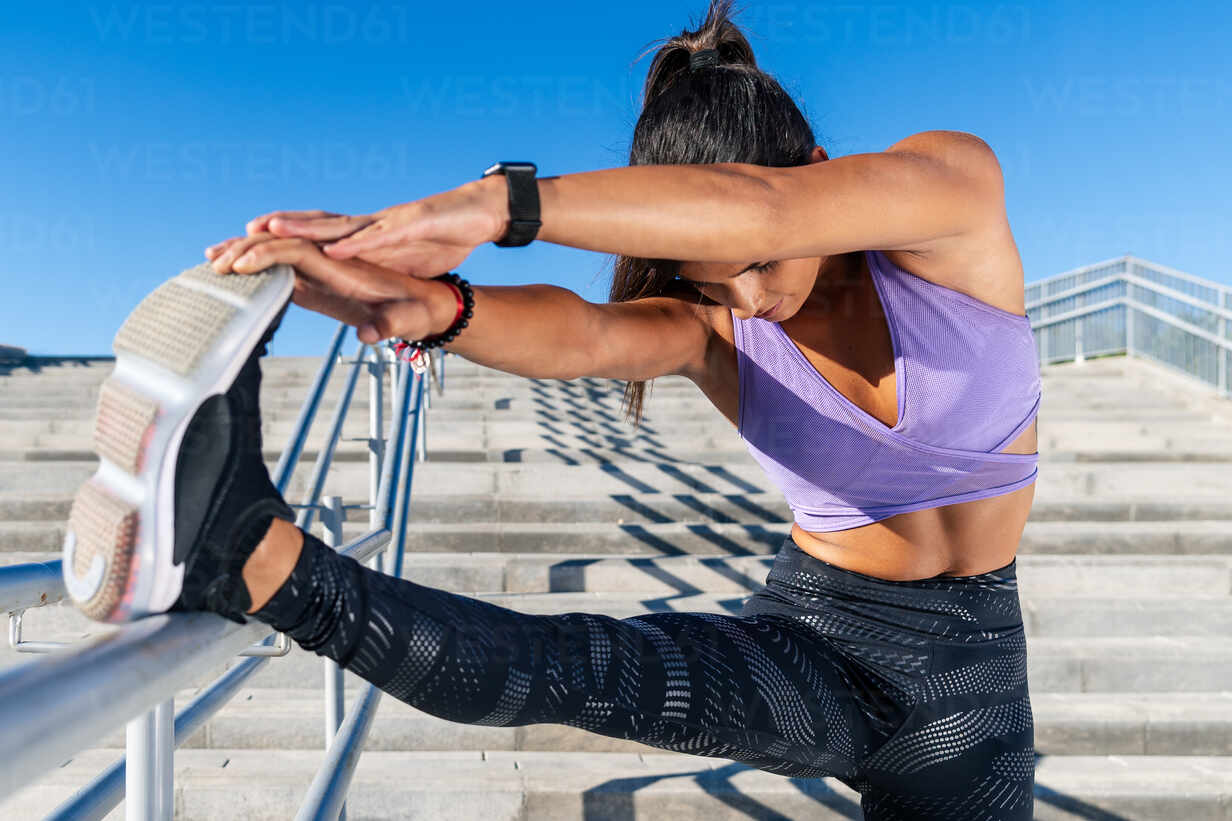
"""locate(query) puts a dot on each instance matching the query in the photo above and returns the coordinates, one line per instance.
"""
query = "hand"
(423, 238)
(380, 302)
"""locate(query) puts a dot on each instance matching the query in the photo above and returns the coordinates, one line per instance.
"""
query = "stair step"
(713, 538)
(1180, 724)
(517, 785)
(622, 508)
(1109, 664)
(1110, 575)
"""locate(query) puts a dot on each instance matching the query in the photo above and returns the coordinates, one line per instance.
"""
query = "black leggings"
(913, 693)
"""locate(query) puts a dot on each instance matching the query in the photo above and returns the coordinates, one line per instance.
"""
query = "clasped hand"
(368, 270)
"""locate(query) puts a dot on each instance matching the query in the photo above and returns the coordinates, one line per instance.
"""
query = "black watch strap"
(524, 220)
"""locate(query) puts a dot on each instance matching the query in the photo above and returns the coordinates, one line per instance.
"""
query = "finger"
(317, 228)
(218, 247)
(224, 263)
(310, 296)
(257, 225)
(350, 279)
(405, 318)
(378, 234)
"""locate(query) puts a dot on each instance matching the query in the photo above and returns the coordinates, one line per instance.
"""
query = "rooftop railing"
(1131, 306)
(74, 695)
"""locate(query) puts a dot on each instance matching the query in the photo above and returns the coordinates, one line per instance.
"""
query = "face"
(773, 290)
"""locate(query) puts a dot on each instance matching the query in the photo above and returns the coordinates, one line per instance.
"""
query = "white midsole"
(155, 581)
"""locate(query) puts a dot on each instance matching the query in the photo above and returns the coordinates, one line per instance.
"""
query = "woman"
(890, 393)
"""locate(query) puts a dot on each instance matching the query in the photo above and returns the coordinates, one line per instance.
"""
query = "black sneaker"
(182, 495)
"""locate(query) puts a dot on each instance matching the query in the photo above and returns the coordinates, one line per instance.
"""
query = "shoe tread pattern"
(173, 327)
(103, 526)
(122, 425)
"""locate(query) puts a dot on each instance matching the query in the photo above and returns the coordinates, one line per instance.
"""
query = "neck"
(841, 286)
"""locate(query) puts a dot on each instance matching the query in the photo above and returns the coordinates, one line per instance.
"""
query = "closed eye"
(758, 268)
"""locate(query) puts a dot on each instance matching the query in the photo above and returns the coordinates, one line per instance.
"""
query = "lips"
(765, 314)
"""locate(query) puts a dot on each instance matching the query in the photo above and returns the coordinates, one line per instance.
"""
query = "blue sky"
(135, 134)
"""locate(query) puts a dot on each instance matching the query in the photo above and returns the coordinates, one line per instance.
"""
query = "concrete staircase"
(538, 496)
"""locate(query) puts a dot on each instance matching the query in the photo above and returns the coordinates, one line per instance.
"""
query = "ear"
(819, 154)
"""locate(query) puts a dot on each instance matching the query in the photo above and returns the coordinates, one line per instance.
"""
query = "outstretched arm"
(538, 331)
(930, 186)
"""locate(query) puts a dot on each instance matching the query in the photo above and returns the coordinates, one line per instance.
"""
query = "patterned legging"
(913, 693)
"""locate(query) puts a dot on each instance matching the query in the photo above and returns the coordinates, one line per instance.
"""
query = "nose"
(746, 300)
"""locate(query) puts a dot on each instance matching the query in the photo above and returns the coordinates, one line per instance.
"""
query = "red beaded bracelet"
(466, 307)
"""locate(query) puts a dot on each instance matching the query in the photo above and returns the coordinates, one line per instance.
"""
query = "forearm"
(719, 212)
(706, 213)
(536, 331)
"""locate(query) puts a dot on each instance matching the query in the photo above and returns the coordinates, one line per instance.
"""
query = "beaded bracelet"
(466, 308)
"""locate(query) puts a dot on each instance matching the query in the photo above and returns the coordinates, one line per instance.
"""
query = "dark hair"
(731, 112)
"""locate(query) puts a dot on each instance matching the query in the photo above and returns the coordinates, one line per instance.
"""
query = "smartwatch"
(524, 220)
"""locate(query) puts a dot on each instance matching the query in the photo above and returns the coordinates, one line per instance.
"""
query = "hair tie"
(705, 57)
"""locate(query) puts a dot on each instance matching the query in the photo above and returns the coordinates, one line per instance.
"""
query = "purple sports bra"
(968, 384)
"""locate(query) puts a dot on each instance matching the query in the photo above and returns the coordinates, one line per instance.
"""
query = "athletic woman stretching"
(891, 394)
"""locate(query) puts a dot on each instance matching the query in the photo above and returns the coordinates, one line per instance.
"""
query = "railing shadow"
(614, 800)
(1071, 805)
(38, 364)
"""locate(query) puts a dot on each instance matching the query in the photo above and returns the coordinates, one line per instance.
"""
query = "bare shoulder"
(983, 263)
(959, 150)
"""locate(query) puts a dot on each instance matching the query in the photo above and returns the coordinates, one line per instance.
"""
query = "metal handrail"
(1132, 279)
(23, 586)
(1187, 349)
(143, 664)
(101, 795)
(328, 791)
(105, 791)
(53, 707)
(1127, 260)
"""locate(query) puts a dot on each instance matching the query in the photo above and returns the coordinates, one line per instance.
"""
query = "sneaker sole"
(185, 342)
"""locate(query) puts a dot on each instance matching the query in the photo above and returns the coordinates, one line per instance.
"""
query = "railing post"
(376, 428)
(376, 437)
(422, 417)
(1078, 357)
(1221, 371)
(164, 758)
(380, 560)
(335, 687)
(139, 797)
(149, 739)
